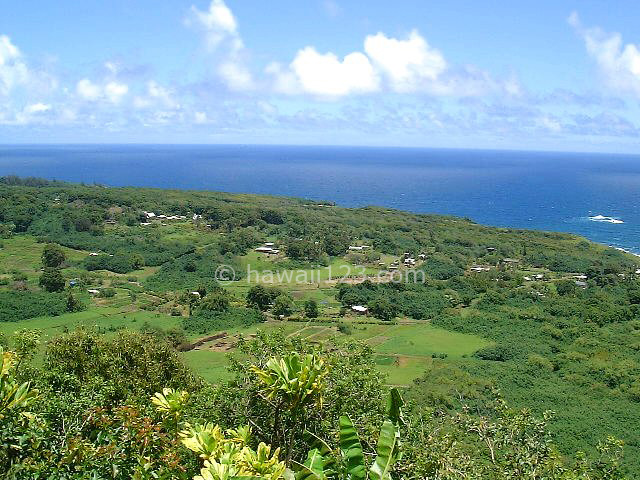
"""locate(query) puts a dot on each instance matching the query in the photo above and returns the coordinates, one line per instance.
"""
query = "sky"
(529, 75)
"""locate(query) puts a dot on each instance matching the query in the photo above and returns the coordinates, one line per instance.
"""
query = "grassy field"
(402, 351)
(108, 318)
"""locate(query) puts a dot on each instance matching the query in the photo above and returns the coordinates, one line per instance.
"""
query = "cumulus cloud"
(326, 74)
(13, 69)
(112, 91)
(220, 30)
(156, 96)
(618, 63)
(408, 65)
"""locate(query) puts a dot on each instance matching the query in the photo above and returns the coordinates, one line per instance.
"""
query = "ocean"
(535, 190)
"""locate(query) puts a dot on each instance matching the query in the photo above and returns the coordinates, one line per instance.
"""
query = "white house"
(360, 309)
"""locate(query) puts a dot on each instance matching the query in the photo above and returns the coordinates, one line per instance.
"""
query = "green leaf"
(351, 449)
(394, 407)
(387, 451)
(313, 467)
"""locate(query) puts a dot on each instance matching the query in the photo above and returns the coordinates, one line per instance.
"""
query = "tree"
(380, 307)
(52, 280)
(52, 256)
(311, 308)
(260, 297)
(283, 305)
(566, 287)
(73, 304)
(217, 301)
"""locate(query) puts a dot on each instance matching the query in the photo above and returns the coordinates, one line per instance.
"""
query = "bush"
(497, 353)
(52, 280)
(206, 321)
(107, 292)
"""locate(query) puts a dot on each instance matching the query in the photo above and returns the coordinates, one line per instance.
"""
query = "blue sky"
(544, 75)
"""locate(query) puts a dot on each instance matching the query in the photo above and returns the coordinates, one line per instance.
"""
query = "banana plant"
(321, 465)
(12, 395)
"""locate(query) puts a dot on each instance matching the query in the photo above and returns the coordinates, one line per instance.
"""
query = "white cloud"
(13, 70)
(156, 96)
(112, 91)
(619, 64)
(221, 34)
(88, 90)
(407, 63)
(326, 75)
(218, 23)
(37, 108)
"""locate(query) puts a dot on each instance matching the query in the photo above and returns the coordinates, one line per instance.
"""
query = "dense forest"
(501, 353)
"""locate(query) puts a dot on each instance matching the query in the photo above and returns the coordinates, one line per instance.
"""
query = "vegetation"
(100, 303)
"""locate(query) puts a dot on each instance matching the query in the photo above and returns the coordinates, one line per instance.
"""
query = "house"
(582, 277)
(539, 276)
(93, 291)
(196, 216)
(393, 267)
(528, 279)
(581, 284)
(480, 268)
(409, 261)
(362, 310)
(195, 294)
(491, 249)
(264, 250)
(269, 244)
(149, 214)
(355, 248)
(510, 260)
(422, 256)
(94, 254)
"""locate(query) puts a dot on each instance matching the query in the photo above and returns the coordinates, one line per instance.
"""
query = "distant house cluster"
(269, 248)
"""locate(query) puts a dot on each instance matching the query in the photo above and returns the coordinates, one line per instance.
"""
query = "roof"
(359, 308)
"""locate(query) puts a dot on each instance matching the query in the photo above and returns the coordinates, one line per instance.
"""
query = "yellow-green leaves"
(295, 379)
(226, 454)
(12, 395)
(170, 402)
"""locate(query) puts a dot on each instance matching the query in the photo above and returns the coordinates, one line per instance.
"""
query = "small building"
(581, 277)
(195, 294)
(93, 291)
(581, 284)
(510, 260)
(539, 276)
(360, 309)
(264, 250)
(422, 256)
(94, 254)
(393, 267)
(491, 249)
(480, 268)
(355, 248)
(269, 244)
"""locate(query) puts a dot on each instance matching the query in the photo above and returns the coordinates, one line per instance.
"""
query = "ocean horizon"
(554, 191)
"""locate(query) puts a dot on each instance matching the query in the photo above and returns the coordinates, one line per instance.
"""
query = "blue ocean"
(547, 191)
